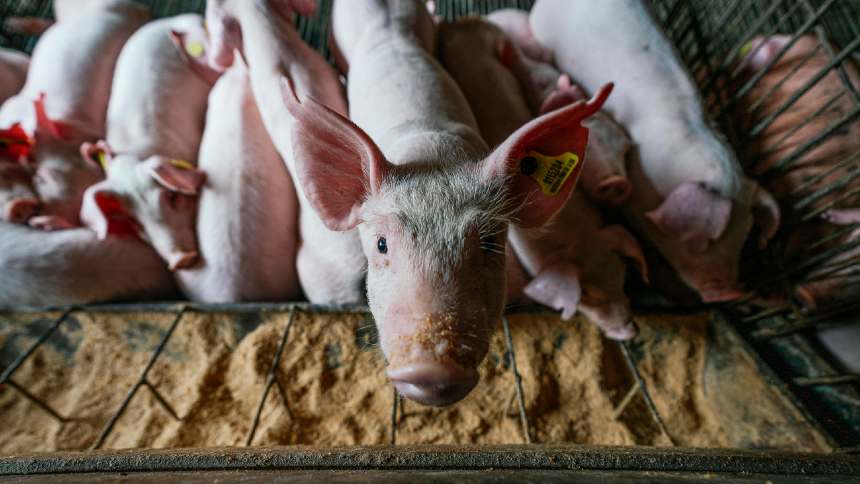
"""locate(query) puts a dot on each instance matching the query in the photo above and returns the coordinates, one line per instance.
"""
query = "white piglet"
(247, 217)
(691, 199)
(155, 123)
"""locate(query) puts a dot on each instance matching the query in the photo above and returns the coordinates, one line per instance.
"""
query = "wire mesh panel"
(771, 103)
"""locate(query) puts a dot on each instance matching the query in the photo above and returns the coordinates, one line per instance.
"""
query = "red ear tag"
(15, 143)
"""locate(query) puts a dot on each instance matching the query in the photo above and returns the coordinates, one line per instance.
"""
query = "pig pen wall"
(127, 377)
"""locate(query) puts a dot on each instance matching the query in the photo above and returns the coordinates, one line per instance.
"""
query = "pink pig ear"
(177, 176)
(338, 164)
(104, 212)
(767, 215)
(557, 287)
(695, 214)
(194, 52)
(44, 124)
(98, 154)
(543, 159)
(626, 245)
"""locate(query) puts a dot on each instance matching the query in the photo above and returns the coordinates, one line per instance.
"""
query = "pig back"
(247, 219)
(74, 61)
(158, 104)
(75, 267)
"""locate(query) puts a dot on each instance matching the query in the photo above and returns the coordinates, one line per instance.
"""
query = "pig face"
(433, 234)
(155, 198)
(701, 244)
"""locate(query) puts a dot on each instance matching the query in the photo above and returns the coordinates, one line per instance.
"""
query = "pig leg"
(50, 222)
(558, 287)
(844, 216)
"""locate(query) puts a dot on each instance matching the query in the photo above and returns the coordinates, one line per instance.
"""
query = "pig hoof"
(50, 223)
(622, 333)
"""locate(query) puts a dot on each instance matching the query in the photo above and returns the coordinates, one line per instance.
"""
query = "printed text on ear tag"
(181, 164)
(195, 49)
(549, 171)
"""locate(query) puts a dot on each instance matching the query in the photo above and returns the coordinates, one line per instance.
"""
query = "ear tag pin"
(549, 171)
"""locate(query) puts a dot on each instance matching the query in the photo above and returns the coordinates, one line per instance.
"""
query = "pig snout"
(20, 210)
(716, 291)
(614, 190)
(614, 319)
(433, 383)
(433, 360)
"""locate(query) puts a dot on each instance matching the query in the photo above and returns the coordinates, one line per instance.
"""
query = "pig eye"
(382, 245)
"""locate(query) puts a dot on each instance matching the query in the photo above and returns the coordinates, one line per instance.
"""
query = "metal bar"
(625, 401)
(755, 106)
(640, 382)
(848, 160)
(270, 380)
(234, 308)
(808, 381)
(140, 381)
(7, 373)
(812, 143)
(524, 419)
(810, 22)
(160, 399)
(394, 401)
(35, 400)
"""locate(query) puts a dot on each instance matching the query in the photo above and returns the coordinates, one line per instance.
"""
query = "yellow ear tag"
(181, 164)
(549, 171)
(195, 49)
(102, 159)
(746, 48)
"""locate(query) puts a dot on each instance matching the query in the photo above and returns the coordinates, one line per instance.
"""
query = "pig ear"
(98, 154)
(177, 176)
(337, 163)
(557, 287)
(565, 93)
(627, 246)
(104, 212)
(542, 160)
(695, 214)
(767, 215)
(194, 52)
(44, 124)
(505, 51)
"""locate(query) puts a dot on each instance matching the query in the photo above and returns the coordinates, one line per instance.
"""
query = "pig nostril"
(433, 383)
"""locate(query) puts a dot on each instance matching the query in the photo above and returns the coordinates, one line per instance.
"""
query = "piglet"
(247, 223)
(577, 263)
(13, 72)
(604, 178)
(75, 267)
(822, 174)
(330, 264)
(692, 201)
(432, 206)
(155, 123)
(64, 102)
(574, 263)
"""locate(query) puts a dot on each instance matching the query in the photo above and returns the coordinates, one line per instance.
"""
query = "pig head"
(701, 233)
(155, 199)
(434, 234)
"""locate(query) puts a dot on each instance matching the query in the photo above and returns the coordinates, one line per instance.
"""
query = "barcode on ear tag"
(549, 171)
